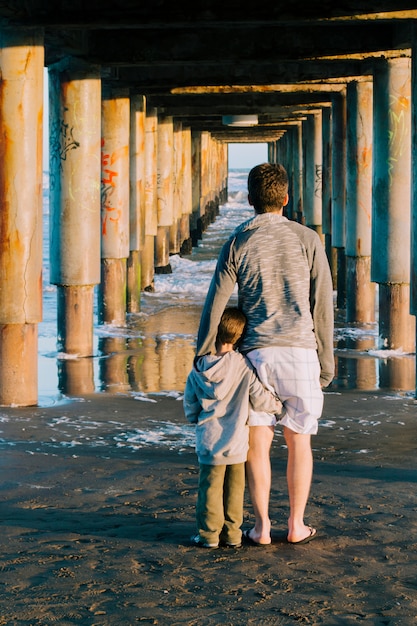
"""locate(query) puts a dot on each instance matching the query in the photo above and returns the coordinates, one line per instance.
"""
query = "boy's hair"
(267, 187)
(231, 326)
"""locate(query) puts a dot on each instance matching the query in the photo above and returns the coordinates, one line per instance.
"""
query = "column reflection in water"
(360, 364)
(397, 373)
(76, 376)
(356, 370)
(113, 364)
(157, 359)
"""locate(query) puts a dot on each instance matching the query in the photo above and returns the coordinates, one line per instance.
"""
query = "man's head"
(268, 188)
(231, 327)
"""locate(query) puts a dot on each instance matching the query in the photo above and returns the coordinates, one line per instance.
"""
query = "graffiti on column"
(62, 141)
(318, 174)
(398, 130)
(109, 173)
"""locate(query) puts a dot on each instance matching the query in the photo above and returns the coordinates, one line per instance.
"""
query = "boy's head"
(231, 327)
(268, 187)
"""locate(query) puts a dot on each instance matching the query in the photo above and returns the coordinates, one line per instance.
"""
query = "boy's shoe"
(196, 540)
(227, 544)
(230, 544)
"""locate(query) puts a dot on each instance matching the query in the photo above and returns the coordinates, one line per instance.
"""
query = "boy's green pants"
(219, 512)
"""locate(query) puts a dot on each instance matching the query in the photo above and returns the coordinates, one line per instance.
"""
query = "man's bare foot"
(312, 533)
(251, 538)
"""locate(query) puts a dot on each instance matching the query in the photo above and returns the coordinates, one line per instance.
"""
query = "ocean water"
(153, 351)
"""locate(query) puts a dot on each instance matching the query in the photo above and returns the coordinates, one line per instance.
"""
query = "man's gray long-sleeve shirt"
(285, 289)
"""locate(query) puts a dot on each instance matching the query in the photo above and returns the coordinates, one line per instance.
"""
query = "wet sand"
(97, 508)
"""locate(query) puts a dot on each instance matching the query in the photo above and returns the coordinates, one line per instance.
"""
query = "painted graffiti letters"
(111, 213)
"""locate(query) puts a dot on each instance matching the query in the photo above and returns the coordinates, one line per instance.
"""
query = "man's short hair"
(231, 327)
(268, 187)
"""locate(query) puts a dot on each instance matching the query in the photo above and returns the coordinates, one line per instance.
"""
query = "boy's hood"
(213, 375)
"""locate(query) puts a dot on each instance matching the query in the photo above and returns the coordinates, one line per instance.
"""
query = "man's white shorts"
(294, 375)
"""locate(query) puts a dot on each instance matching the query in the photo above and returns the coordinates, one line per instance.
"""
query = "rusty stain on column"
(136, 202)
(360, 292)
(21, 117)
(74, 166)
(391, 214)
(114, 206)
(165, 191)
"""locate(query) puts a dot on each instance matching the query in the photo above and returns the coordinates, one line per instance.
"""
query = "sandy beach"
(97, 509)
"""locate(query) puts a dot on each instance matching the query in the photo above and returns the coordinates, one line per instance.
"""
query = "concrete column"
(300, 170)
(327, 192)
(215, 177)
(360, 300)
(175, 228)
(308, 167)
(413, 242)
(313, 148)
(205, 216)
(21, 114)
(114, 206)
(278, 152)
(216, 157)
(196, 227)
(295, 169)
(137, 201)
(271, 152)
(339, 192)
(151, 211)
(74, 173)
(225, 170)
(391, 215)
(186, 192)
(287, 160)
(165, 193)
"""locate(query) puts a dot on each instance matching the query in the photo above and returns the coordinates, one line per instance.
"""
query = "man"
(286, 292)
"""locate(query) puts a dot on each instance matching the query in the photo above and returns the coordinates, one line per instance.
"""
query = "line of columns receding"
(130, 186)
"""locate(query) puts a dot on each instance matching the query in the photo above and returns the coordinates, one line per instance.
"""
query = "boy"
(219, 391)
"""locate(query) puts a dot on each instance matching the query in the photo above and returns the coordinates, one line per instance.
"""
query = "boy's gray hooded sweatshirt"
(216, 398)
